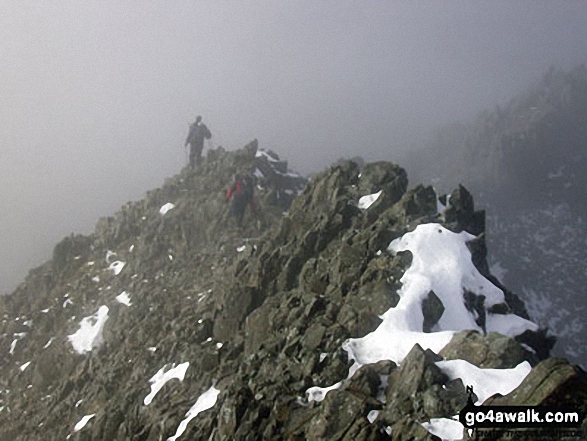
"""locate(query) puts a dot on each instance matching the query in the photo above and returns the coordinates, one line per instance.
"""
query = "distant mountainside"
(345, 308)
(527, 162)
(529, 154)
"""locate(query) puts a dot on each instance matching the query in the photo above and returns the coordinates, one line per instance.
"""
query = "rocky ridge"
(260, 314)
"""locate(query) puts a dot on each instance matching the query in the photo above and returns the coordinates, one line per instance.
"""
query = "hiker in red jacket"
(241, 192)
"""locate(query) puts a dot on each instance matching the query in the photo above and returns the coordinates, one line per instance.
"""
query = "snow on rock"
(510, 325)
(389, 343)
(116, 267)
(445, 428)
(485, 382)
(204, 402)
(366, 201)
(319, 393)
(441, 263)
(89, 334)
(165, 208)
(372, 416)
(263, 154)
(82, 423)
(161, 377)
(124, 298)
(24, 366)
(17, 337)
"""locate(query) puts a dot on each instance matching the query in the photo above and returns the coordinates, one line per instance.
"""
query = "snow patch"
(161, 377)
(165, 208)
(366, 201)
(372, 416)
(445, 428)
(124, 298)
(89, 334)
(24, 366)
(319, 393)
(82, 423)
(485, 382)
(116, 267)
(18, 336)
(441, 263)
(204, 402)
(263, 154)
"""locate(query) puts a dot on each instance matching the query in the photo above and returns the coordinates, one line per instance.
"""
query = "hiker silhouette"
(198, 132)
(242, 194)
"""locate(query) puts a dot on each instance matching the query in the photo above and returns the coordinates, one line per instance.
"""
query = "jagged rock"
(420, 202)
(432, 309)
(491, 351)
(328, 424)
(461, 214)
(417, 373)
(367, 380)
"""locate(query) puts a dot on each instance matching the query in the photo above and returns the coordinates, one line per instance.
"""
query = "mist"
(96, 97)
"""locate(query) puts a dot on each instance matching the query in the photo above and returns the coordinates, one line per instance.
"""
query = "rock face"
(260, 313)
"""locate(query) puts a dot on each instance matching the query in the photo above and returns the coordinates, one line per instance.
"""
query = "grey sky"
(96, 96)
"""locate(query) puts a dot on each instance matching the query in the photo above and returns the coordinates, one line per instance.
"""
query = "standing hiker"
(241, 192)
(198, 132)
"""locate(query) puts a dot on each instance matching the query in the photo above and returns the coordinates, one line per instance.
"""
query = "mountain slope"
(169, 323)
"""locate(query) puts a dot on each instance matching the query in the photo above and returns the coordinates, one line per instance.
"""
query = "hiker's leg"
(192, 155)
(239, 217)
